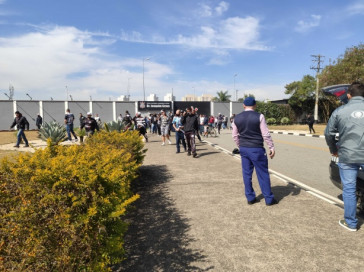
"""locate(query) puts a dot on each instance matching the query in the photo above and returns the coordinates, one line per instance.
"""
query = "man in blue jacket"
(348, 121)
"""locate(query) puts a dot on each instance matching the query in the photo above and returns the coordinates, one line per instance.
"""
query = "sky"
(99, 48)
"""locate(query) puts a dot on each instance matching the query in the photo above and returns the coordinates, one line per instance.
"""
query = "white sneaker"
(169, 142)
(76, 140)
(163, 143)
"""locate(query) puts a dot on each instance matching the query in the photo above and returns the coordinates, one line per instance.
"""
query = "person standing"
(249, 133)
(190, 125)
(90, 125)
(219, 119)
(348, 121)
(68, 120)
(140, 125)
(21, 124)
(232, 120)
(310, 122)
(165, 128)
(127, 121)
(180, 136)
(39, 121)
(120, 118)
(81, 119)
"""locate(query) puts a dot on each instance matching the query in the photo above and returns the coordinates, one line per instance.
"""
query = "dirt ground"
(318, 128)
(7, 137)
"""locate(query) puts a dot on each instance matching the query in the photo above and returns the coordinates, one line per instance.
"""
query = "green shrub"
(285, 121)
(61, 208)
(271, 121)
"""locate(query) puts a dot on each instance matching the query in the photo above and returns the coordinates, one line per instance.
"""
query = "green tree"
(222, 97)
(346, 69)
(301, 91)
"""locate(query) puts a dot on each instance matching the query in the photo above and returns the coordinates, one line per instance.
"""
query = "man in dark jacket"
(21, 124)
(90, 125)
(310, 122)
(348, 121)
(81, 119)
(190, 125)
(39, 121)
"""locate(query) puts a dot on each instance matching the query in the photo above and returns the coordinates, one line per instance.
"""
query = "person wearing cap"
(249, 133)
(90, 125)
(21, 124)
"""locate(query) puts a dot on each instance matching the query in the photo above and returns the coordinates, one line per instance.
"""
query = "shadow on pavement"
(157, 238)
(281, 192)
(207, 153)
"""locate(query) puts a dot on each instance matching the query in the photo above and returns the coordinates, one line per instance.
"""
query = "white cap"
(89, 113)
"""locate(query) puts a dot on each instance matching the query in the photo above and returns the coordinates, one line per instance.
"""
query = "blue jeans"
(69, 128)
(21, 135)
(180, 137)
(256, 157)
(348, 175)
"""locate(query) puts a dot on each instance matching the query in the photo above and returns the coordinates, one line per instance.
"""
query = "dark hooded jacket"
(21, 123)
(189, 122)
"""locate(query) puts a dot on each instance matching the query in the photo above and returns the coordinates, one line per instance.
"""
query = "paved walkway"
(193, 216)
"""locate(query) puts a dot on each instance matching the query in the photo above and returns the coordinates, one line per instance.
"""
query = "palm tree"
(222, 97)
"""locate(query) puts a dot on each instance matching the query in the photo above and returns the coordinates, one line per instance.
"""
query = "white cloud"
(356, 8)
(221, 8)
(205, 10)
(232, 33)
(304, 26)
(44, 62)
(208, 11)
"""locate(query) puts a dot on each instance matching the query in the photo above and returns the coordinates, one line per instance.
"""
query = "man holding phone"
(249, 133)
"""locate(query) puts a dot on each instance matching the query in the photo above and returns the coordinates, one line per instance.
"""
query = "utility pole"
(318, 59)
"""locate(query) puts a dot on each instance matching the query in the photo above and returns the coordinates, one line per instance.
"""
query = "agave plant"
(112, 126)
(80, 132)
(53, 131)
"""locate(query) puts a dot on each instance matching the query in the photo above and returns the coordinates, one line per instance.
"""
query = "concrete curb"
(296, 134)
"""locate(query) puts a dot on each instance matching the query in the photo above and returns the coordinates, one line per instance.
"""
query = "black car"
(340, 92)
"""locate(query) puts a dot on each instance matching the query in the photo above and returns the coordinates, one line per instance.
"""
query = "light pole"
(236, 92)
(29, 96)
(144, 59)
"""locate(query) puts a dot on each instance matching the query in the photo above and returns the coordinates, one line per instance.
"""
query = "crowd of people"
(249, 131)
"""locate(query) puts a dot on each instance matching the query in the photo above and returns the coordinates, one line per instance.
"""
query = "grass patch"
(318, 128)
(8, 137)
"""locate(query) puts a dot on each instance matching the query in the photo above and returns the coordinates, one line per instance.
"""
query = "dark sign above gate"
(154, 105)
